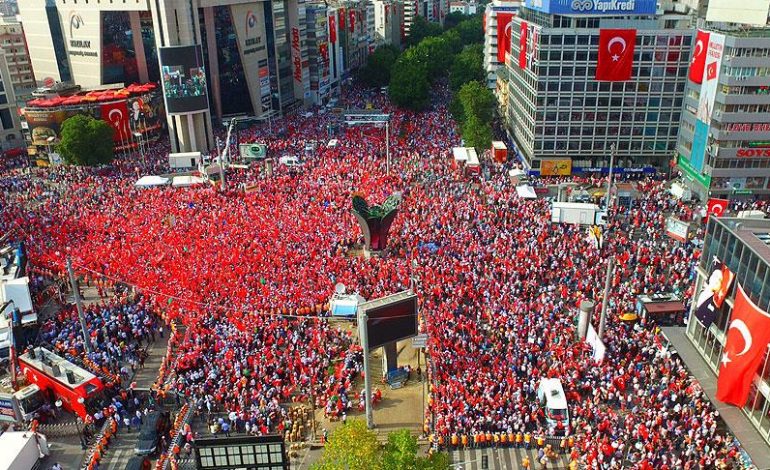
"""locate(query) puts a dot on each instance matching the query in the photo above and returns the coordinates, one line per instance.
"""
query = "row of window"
(746, 71)
(637, 131)
(660, 40)
(655, 86)
(671, 56)
(761, 162)
(660, 146)
(746, 52)
(602, 116)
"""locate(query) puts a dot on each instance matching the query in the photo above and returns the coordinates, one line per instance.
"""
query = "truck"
(23, 450)
(576, 213)
(20, 406)
(184, 161)
(499, 152)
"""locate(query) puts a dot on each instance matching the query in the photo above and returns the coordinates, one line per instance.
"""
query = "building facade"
(508, 9)
(743, 245)
(724, 138)
(10, 127)
(14, 45)
(559, 115)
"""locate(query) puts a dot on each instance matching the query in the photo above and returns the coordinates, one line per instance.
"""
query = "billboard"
(593, 7)
(750, 12)
(391, 318)
(253, 151)
(556, 167)
(184, 79)
(249, 25)
(45, 124)
(708, 93)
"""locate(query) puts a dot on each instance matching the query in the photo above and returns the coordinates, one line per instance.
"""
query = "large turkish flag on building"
(616, 54)
(747, 338)
(116, 114)
(503, 35)
(698, 61)
(716, 207)
(523, 31)
(332, 29)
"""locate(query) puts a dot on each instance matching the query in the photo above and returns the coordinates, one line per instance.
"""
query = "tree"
(436, 53)
(421, 29)
(478, 101)
(376, 73)
(453, 19)
(409, 85)
(351, 446)
(471, 31)
(86, 141)
(467, 67)
(400, 453)
(476, 133)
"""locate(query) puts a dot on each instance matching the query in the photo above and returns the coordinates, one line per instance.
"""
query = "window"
(6, 119)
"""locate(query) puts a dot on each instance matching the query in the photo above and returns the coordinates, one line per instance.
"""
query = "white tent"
(186, 181)
(526, 191)
(150, 181)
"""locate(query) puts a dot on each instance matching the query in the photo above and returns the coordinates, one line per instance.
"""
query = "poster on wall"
(45, 124)
(556, 167)
(183, 75)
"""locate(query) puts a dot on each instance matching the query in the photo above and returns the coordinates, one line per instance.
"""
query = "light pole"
(610, 259)
(364, 337)
(79, 303)
(49, 141)
(138, 135)
(12, 352)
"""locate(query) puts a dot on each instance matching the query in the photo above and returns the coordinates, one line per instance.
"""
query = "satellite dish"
(339, 288)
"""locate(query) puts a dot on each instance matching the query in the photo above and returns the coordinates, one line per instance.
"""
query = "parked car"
(155, 425)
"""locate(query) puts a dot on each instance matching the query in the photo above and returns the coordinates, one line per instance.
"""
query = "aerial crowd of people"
(250, 274)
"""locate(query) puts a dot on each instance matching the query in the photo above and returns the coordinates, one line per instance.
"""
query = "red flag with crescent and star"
(503, 35)
(748, 336)
(116, 114)
(716, 207)
(698, 61)
(616, 54)
(332, 29)
(523, 38)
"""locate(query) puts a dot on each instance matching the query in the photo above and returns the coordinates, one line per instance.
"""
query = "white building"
(466, 8)
(491, 62)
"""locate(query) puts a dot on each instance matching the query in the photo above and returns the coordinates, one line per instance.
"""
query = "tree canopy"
(376, 73)
(86, 141)
(468, 66)
(420, 29)
(478, 109)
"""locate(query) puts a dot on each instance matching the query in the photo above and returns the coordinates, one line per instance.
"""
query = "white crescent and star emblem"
(718, 208)
(698, 49)
(117, 120)
(739, 325)
(618, 40)
(507, 30)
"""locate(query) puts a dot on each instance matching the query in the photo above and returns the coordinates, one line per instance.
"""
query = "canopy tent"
(150, 181)
(186, 181)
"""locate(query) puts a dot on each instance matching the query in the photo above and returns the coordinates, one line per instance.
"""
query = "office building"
(564, 117)
(10, 128)
(724, 137)
(463, 7)
(740, 248)
(507, 9)
(389, 25)
(14, 45)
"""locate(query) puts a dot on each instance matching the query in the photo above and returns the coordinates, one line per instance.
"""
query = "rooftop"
(754, 233)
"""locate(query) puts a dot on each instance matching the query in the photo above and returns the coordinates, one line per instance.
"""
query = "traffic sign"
(420, 341)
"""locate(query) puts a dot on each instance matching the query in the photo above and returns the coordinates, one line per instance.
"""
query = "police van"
(551, 396)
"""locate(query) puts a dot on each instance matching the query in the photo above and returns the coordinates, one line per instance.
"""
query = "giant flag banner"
(523, 32)
(503, 35)
(332, 29)
(714, 292)
(698, 61)
(708, 93)
(747, 338)
(616, 54)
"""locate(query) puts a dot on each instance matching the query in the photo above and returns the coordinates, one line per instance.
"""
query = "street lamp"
(49, 141)
(610, 259)
(83, 443)
(138, 135)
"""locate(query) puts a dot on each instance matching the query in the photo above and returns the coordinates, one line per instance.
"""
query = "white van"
(551, 396)
(290, 161)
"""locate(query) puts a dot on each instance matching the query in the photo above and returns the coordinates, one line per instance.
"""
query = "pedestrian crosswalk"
(500, 458)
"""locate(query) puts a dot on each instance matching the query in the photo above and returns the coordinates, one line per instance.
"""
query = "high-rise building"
(733, 273)
(496, 34)
(10, 129)
(14, 45)
(724, 136)
(565, 114)
(411, 11)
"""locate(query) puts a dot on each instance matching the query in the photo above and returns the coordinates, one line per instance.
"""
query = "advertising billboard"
(45, 124)
(708, 93)
(593, 7)
(184, 79)
(556, 167)
(391, 318)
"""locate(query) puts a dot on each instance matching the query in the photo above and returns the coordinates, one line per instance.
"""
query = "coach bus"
(80, 391)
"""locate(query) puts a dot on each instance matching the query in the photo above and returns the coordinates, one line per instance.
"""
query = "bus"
(80, 391)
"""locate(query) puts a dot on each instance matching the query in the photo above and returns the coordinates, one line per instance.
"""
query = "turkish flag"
(341, 13)
(503, 35)
(116, 114)
(523, 31)
(711, 71)
(332, 29)
(698, 61)
(352, 21)
(716, 207)
(747, 338)
(616, 54)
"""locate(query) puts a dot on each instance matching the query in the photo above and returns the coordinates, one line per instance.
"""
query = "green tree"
(456, 108)
(477, 133)
(453, 19)
(478, 101)
(436, 54)
(421, 29)
(401, 454)
(351, 446)
(376, 73)
(409, 85)
(86, 141)
(471, 31)
(468, 66)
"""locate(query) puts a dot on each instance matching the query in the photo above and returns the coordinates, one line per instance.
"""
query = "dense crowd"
(250, 274)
